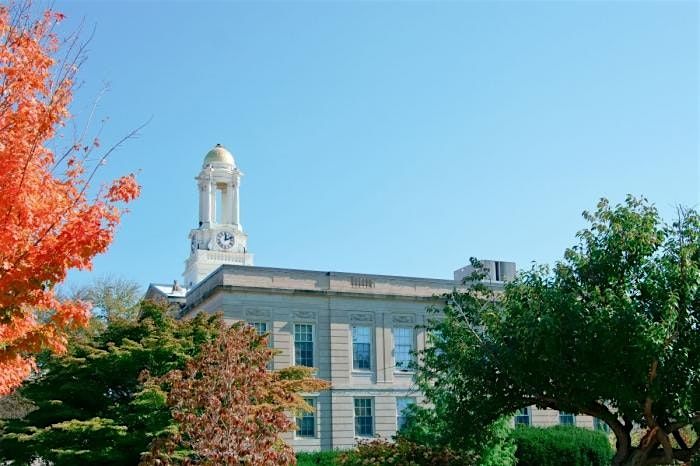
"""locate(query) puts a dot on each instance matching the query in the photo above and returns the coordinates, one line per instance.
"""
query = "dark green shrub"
(321, 458)
(426, 426)
(401, 453)
(561, 445)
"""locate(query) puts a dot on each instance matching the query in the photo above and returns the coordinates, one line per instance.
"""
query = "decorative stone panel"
(404, 319)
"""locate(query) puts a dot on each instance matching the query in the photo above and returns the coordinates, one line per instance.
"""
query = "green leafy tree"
(430, 426)
(110, 297)
(613, 331)
(92, 406)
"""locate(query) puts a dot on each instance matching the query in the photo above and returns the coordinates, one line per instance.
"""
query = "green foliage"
(555, 446)
(404, 453)
(427, 426)
(110, 297)
(321, 458)
(499, 449)
(92, 406)
(611, 331)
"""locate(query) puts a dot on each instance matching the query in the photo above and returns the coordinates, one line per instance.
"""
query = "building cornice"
(271, 280)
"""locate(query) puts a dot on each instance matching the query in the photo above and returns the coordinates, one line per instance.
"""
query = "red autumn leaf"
(47, 223)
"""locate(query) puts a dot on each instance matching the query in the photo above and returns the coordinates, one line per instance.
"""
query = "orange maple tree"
(49, 220)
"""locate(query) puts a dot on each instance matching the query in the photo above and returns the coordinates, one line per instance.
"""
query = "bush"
(499, 449)
(554, 446)
(321, 458)
(401, 453)
(426, 426)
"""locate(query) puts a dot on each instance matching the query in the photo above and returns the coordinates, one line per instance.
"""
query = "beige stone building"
(358, 330)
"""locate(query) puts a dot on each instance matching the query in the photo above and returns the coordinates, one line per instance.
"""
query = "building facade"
(357, 330)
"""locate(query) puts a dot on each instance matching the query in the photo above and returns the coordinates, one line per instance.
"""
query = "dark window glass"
(363, 417)
(566, 419)
(402, 405)
(304, 345)
(522, 417)
(306, 423)
(361, 348)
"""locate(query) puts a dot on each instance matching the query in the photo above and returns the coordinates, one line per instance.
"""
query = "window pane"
(566, 419)
(260, 327)
(522, 417)
(402, 404)
(435, 338)
(361, 348)
(306, 423)
(403, 345)
(303, 345)
(363, 417)
(600, 425)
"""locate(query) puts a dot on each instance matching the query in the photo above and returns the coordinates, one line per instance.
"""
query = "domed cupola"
(219, 237)
(219, 156)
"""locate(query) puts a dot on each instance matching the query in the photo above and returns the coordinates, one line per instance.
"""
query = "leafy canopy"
(612, 331)
(230, 408)
(110, 297)
(92, 405)
(48, 224)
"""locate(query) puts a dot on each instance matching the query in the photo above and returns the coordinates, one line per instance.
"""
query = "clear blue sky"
(395, 138)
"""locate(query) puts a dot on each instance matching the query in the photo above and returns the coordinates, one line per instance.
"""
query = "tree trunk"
(635, 458)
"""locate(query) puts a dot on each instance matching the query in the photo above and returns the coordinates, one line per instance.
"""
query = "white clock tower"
(219, 238)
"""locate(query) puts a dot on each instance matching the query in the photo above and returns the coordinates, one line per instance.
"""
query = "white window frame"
(433, 336)
(399, 414)
(601, 425)
(313, 343)
(352, 352)
(413, 348)
(258, 322)
(314, 399)
(519, 415)
(372, 416)
(268, 331)
(563, 414)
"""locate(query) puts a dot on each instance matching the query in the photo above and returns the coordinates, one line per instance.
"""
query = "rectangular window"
(403, 345)
(522, 417)
(566, 419)
(260, 327)
(402, 404)
(436, 340)
(601, 425)
(361, 348)
(364, 425)
(304, 345)
(306, 423)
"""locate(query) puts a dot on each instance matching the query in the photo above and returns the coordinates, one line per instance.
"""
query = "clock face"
(224, 239)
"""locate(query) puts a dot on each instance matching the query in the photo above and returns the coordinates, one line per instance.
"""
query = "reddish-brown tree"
(49, 223)
(230, 408)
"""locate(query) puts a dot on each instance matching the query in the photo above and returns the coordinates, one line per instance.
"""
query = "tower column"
(210, 205)
(229, 204)
(202, 202)
(236, 220)
(225, 205)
